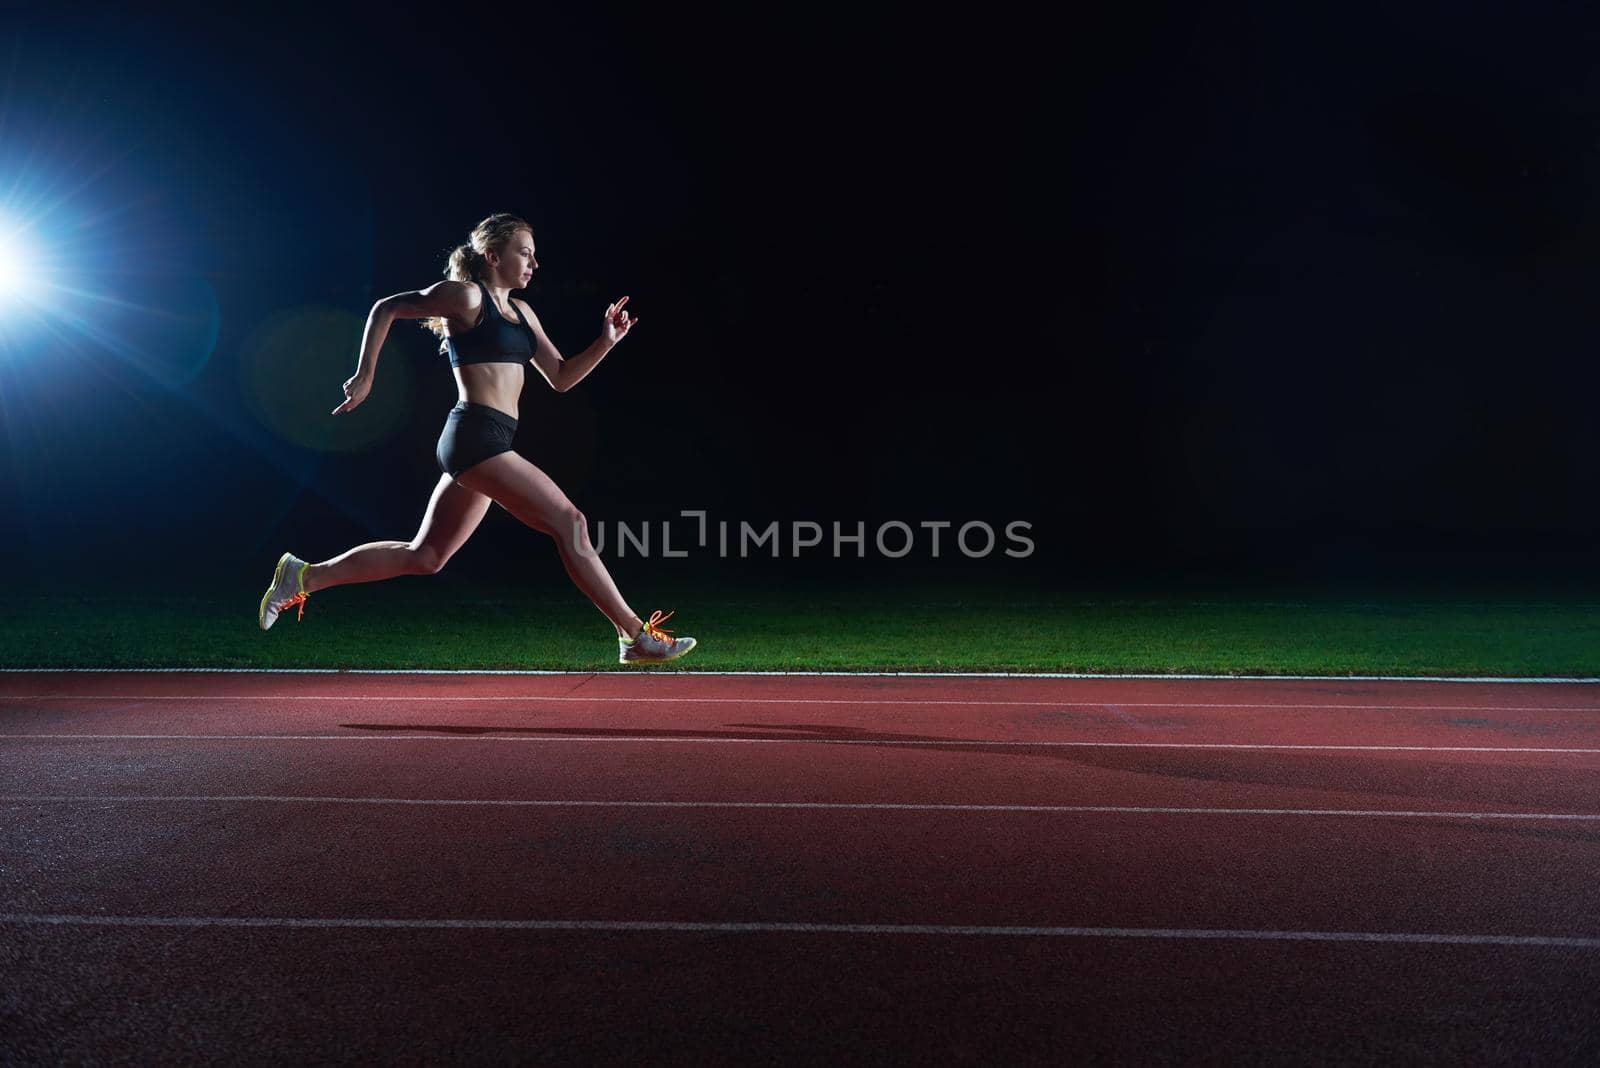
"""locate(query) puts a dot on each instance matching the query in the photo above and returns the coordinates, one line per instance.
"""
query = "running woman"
(489, 337)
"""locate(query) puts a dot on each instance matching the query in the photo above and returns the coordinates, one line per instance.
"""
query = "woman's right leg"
(529, 494)
(454, 512)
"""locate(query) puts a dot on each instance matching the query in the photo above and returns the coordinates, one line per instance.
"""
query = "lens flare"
(10, 270)
(15, 259)
(292, 366)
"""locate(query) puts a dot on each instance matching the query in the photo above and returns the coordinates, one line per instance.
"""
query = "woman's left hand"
(617, 323)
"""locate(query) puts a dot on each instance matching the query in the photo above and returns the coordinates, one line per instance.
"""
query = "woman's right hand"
(356, 389)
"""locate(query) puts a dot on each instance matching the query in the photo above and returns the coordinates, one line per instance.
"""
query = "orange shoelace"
(297, 599)
(656, 632)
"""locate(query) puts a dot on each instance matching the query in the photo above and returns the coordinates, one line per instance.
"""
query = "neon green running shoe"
(287, 591)
(653, 645)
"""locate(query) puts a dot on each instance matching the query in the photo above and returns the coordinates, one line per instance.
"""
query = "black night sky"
(1272, 288)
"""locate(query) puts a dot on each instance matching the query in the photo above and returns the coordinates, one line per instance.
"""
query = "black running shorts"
(472, 434)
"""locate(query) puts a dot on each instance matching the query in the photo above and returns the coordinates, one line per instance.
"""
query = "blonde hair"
(467, 262)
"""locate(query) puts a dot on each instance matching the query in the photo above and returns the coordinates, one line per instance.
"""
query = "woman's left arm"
(563, 374)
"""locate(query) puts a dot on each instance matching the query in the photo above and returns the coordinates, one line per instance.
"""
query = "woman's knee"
(571, 526)
(427, 559)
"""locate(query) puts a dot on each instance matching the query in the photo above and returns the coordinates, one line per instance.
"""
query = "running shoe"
(287, 591)
(653, 645)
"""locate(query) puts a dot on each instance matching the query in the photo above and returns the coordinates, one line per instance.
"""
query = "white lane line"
(883, 806)
(688, 927)
(531, 699)
(691, 673)
(647, 740)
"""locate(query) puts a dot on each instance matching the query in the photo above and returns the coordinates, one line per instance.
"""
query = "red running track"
(681, 867)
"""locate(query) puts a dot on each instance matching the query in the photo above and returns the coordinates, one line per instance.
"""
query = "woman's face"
(513, 265)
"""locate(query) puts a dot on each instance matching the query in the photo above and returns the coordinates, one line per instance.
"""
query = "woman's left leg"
(529, 494)
(454, 512)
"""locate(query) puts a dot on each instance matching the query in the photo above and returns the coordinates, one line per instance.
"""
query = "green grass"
(431, 623)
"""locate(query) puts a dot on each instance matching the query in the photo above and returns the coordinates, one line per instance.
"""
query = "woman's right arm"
(447, 300)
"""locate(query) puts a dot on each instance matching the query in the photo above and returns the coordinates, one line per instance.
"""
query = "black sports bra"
(494, 339)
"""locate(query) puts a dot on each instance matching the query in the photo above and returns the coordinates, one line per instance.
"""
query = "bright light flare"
(13, 262)
(19, 265)
(68, 288)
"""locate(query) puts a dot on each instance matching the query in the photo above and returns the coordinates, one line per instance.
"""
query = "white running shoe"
(287, 591)
(653, 645)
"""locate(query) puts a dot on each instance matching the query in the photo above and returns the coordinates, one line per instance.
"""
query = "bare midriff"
(493, 385)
